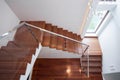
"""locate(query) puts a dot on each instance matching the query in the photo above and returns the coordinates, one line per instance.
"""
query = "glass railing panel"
(57, 38)
(66, 41)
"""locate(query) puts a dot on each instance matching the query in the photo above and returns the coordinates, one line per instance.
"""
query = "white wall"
(67, 14)
(8, 19)
(110, 44)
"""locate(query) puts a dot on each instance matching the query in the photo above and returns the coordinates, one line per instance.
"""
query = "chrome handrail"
(55, 34)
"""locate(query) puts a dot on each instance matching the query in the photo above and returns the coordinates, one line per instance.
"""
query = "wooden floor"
(60, 69)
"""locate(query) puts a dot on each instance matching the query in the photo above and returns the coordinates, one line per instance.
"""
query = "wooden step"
(92, 70)
(72, 43)
(47, 36)
(60, 40)
(76, 48)
(92, 60)
(93, 57)
(92, 64)
(53, 41)
(80, 46)
(65, 40)
(95, 52)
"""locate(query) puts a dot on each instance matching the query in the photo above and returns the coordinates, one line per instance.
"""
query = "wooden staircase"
(19, 55)
(60, 43)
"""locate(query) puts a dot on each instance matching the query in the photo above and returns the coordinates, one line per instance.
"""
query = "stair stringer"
(30, 65)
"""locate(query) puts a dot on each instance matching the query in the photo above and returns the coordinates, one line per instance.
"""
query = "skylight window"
(96, 21)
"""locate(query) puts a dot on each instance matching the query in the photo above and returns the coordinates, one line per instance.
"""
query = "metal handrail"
(56, 34)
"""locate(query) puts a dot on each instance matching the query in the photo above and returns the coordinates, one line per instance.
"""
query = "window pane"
(95, 21)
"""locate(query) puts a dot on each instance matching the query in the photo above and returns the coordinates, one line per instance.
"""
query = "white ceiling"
(63, 13)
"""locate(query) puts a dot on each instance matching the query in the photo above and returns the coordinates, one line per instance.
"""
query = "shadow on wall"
(112, 76)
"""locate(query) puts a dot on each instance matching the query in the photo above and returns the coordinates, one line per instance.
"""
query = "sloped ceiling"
(67, 14)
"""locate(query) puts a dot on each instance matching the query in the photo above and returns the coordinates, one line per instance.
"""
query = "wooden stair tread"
(95, 64)
(75, 44)
(60, 40)
(53, 40)
(68, 45)
(47, 36)
(92, 60)
(93, 57)
(94, 70)
(70, 42)
(65, 41)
